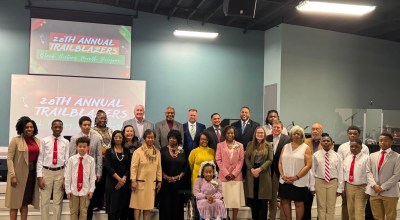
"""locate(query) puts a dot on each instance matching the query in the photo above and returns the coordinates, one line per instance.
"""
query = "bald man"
(313, 142)
(139, 123)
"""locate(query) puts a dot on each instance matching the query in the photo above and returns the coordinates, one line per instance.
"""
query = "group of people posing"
(142, 166)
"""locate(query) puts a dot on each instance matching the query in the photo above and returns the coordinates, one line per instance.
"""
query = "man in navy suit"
(192, 130)
(245, 129)
(215, 131)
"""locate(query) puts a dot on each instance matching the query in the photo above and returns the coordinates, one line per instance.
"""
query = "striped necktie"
(327, 174)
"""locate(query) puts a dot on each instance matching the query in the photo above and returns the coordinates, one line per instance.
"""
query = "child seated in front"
(208, 192)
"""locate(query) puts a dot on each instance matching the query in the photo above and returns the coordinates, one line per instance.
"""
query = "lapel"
(387, 157)
(135, 126)
(165, 127)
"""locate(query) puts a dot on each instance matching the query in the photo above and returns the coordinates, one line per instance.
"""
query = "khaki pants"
(326, 198)
(356, 201)
(273, 203)
(78, 205)
(382, 205)
(53, 181)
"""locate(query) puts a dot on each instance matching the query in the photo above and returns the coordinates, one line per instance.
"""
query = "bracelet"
(297, 177)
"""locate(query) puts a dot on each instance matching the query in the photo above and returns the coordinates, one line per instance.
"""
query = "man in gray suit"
(163, 127)
(383, 173)
(139, 123)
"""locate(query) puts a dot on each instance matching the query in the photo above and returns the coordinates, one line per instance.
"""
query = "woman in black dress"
(117, 163)
(174, 167)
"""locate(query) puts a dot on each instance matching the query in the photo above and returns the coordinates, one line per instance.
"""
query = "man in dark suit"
(215, 131)
(192, 130)
(245, 127)
(139, 123)
(163, 127)
(277, 140)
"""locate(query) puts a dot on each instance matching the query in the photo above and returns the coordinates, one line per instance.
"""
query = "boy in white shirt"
(80, 180)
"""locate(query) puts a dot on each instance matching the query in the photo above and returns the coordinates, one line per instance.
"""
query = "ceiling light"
(332, 7)
(181, 33)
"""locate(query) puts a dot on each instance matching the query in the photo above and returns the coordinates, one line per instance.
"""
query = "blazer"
(189, 144)
(146, 125)
(214, 139)
(265, 180)
(18, 166)
(95, 150)
(283, 140)
(162, 130)
(388, 176)
(247, 135)
(228, 165)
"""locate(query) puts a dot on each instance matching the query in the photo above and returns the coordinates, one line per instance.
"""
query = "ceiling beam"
(173, 10)
(269, 14)
(156, 6)
(207, 17)
(196, 8)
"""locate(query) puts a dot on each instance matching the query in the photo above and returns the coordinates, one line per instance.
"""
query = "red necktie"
(80, 175)
(55, 149)
(327, 173)
(351, 174)
(381, 161)
(218, 135)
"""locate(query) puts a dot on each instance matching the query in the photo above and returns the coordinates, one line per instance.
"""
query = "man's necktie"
(381, 161)
(55, 152)
(327, 173)
(80, 175)
(192, 131)
(351, 174)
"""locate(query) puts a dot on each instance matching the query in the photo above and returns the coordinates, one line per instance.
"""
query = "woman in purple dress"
(208, 192)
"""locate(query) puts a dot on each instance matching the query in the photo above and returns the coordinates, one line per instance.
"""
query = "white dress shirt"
(46, 153)
(335, 168)
(360, 168)
(275, 141)
(71, 175)
(344, 150)
(139, 126)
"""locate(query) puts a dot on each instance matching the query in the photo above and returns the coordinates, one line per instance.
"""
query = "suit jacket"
(214, 139)
(146, 125)
(189, 144)
(95, 150)
(247, 135)
(388, 176)
(283, 140)
(162, 130)
(228, 165)
(18, 166)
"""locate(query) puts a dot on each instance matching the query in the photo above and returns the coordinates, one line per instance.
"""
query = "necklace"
(116, 154)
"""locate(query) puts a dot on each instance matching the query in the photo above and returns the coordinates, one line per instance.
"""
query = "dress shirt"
(46, 153)
(71, 175)
(335, 168)
(276, 142)
(360, 168)
(344, 150)
(268, 130)
(190, 127)
(139, 126)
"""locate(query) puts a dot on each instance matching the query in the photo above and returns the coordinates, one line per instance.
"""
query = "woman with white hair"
(294, 165)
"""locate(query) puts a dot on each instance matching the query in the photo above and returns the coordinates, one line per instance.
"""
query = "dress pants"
(384, 206)
(308, 206)
(78, 206)
(53, 181)
(258, 206)
(326, 198)
(273, 209)
(355, 195)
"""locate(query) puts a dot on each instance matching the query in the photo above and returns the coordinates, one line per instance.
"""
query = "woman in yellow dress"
(199, 155)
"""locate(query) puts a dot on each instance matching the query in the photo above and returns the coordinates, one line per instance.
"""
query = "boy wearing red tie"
(383, 172)
(355, 176)
(80, 180)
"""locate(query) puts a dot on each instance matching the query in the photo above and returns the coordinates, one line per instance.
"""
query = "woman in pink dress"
(208, 192)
